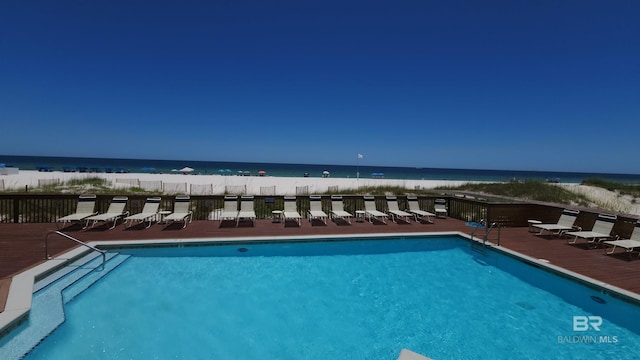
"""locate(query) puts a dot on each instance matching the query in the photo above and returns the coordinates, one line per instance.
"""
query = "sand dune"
(605, 199)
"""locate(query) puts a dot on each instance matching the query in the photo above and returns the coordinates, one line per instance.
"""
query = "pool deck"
(22, 245)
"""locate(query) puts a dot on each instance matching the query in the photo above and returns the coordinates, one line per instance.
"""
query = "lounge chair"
(230, 209)
(601, 230)
(291, 210)
(315, 209)
(629, 245)
(440, 207)
(337, 209)
(114, 212)
(181, 211)
(371, 211)
(564, 224)
(414, 208)
(246, 210)
(149, 213)
(394, 210)
(84, 209)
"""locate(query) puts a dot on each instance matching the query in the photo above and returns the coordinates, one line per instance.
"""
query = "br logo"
(583, 323)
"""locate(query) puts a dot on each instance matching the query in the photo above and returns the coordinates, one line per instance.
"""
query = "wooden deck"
(22, 245)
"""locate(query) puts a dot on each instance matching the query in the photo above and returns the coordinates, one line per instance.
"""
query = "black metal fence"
(42, 208)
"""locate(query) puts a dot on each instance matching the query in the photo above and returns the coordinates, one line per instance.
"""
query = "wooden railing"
(42, 208)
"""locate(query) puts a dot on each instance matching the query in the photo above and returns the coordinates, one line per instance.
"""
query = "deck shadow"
(341, 222)
(318, 222)
(77, 226)
(227, 224)
(178, 225)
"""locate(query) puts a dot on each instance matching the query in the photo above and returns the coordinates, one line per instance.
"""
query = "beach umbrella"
(262, 173)
(186, 169)
(2, 165)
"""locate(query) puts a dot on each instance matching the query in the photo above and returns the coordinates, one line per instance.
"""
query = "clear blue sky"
(522, 85)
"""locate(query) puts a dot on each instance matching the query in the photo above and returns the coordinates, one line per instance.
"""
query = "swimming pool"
(361, 299)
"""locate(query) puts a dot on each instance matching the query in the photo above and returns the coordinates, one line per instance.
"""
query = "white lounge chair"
(291, 210)
(84, 209)
(629, 245)
(564, 224)
(371, 211)
(181, 211)
(601, 230)
(337, 209)
(440, 207)
(149, 213)
(230, 210)
(315, 209)
(114, 212)
(247, 211)
(414, 208)
(394, 210)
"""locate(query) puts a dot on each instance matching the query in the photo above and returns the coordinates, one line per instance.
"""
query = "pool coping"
(20, 295)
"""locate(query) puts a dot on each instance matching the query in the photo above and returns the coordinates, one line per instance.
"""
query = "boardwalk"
(22, 245)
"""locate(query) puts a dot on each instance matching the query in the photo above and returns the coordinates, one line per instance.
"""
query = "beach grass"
(95, 185)
(590, 193)
(380, 191)
(526, 190)
(624, 189)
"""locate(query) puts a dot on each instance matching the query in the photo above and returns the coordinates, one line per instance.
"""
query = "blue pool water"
(340, 300)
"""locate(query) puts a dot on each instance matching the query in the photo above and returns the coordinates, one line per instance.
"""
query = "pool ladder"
(46, 246)
(480, 246)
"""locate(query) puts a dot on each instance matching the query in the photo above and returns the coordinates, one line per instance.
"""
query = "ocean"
(44, 163)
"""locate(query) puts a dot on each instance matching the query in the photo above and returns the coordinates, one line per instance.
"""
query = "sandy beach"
(217, 184)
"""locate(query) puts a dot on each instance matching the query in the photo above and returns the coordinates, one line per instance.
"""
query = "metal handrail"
(486, 234)
(481, 222)
(46, 245)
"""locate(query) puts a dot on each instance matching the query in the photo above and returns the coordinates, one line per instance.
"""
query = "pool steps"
(56, 290)
(83, 262)
(82, 284)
